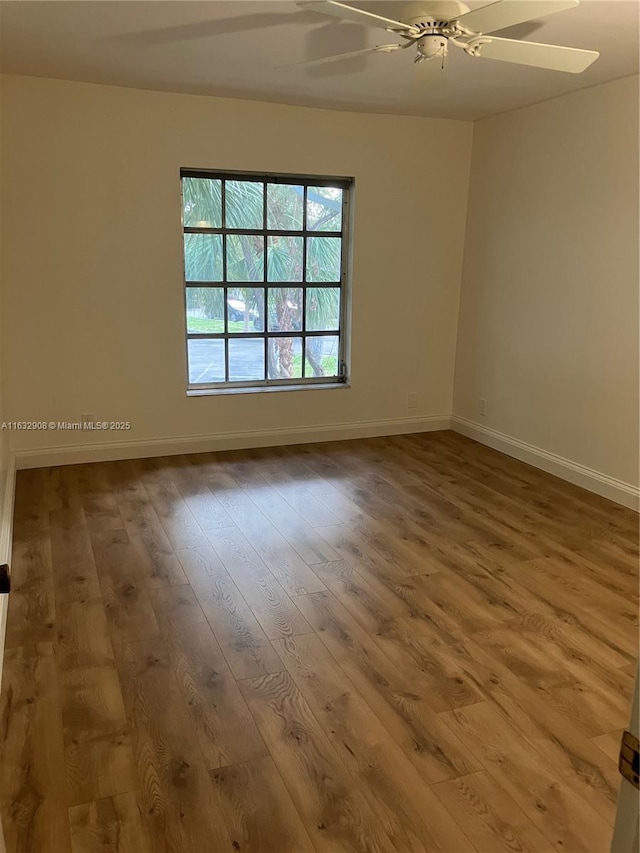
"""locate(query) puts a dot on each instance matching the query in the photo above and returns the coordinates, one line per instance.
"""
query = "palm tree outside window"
(265, 272)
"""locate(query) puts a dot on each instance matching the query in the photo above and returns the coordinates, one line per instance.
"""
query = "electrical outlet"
(86, 419)
(412, 400)
(483, 406)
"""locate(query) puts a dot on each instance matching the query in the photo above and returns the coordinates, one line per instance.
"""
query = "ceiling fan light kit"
(432, 26)
(430, 46)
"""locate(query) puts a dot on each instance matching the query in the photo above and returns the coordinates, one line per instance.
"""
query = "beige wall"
(93, 268)
(548, 331)
(4, 435)
(6, 510)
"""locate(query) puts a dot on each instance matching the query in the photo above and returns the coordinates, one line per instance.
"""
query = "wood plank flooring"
(394, 645)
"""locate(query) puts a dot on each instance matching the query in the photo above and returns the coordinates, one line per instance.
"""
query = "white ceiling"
(230, 49)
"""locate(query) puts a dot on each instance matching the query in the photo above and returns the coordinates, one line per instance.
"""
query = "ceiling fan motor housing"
(434, 10)
(432, 42)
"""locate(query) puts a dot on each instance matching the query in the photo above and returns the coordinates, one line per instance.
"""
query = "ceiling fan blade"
(381, 48)
(550, 56)
(341, 10)
(507, 13)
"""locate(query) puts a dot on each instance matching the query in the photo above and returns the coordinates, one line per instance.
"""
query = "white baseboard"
(6, 536)
(594, 481)
(105, 452)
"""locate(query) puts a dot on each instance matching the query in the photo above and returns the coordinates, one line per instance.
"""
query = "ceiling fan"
(436, 25)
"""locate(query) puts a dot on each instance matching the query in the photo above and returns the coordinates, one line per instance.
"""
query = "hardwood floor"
(395, 645)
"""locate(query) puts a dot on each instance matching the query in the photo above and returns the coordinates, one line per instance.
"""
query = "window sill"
(268, 389)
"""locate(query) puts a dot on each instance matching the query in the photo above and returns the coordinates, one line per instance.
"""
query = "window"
(265, 271)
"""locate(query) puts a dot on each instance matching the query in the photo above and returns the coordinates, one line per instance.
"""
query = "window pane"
(323, 309)
(205, 309)
(246, 359)
(202, 203)
(245, 309)
(323, 258)
(285, 358)
(245, 257)
(284, 258)
(285, 309)
(262, 303)
(203, 257)
(244, 204)
(284, 207)
(321, 356)
(206, 361)
(324, 209)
